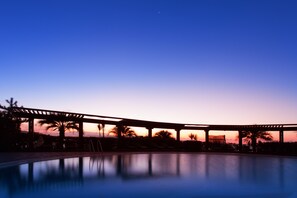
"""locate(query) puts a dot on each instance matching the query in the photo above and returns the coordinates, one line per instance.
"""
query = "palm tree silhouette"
(164, 134)
(8, 113)
(193, 137)
(124, 130)
(59, 123)
(101, 127)
(12, 103)
(10, 125)
(252, 136)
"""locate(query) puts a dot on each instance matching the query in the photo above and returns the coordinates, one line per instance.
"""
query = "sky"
(186, 61)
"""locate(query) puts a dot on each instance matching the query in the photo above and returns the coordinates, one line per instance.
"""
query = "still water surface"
(153, 175)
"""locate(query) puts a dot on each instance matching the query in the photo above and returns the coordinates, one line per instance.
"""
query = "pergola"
(80, 118)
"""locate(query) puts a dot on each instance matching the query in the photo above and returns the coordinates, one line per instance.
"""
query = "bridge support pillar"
(240, 141)
(281, 136)
(281, 140)
(81, 134)
(254, 141)
(103, 130)
(206, 139)
(177, 135)
(31, 132)
(150, 132)
(120, 130)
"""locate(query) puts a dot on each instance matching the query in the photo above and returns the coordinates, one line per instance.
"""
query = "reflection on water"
(153, 175)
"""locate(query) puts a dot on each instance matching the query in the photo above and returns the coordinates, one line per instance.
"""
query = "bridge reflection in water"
(148, 175)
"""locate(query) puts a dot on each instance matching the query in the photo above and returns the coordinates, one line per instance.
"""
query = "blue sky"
(219, 62)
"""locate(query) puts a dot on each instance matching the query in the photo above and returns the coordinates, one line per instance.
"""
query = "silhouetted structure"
(80, 118)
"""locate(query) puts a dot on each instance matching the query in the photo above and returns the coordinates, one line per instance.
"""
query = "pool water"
(153, 175)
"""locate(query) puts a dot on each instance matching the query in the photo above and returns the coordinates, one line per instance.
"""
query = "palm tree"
(193, 137)
(10, 125)
(123, 130)
(164, 134)
(7, 111)
(59, 123)
(11, 103)
(9, 130)
(101, 127)
(252, 136)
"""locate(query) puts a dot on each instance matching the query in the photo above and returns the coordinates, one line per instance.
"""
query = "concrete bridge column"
(206, 139)
(120, 130)
(254, 141)
(31, 125)
(177, 135)
(240, 141)
(281, 140)
(281, 136)
(31, 132)
(81, 134)
(150, 132)
(103, 129)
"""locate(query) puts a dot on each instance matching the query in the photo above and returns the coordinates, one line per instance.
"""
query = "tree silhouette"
(164, 134)
(10, 126)
(7, 113)
(11, 103)
(124, 130)
(7, 110)
(193, 137)
(252, 136)
(101, 127)
(59, 123)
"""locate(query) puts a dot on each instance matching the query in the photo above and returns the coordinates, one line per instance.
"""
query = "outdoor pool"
(153, 175)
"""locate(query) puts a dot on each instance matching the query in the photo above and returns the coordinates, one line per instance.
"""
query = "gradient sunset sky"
(209, 62)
